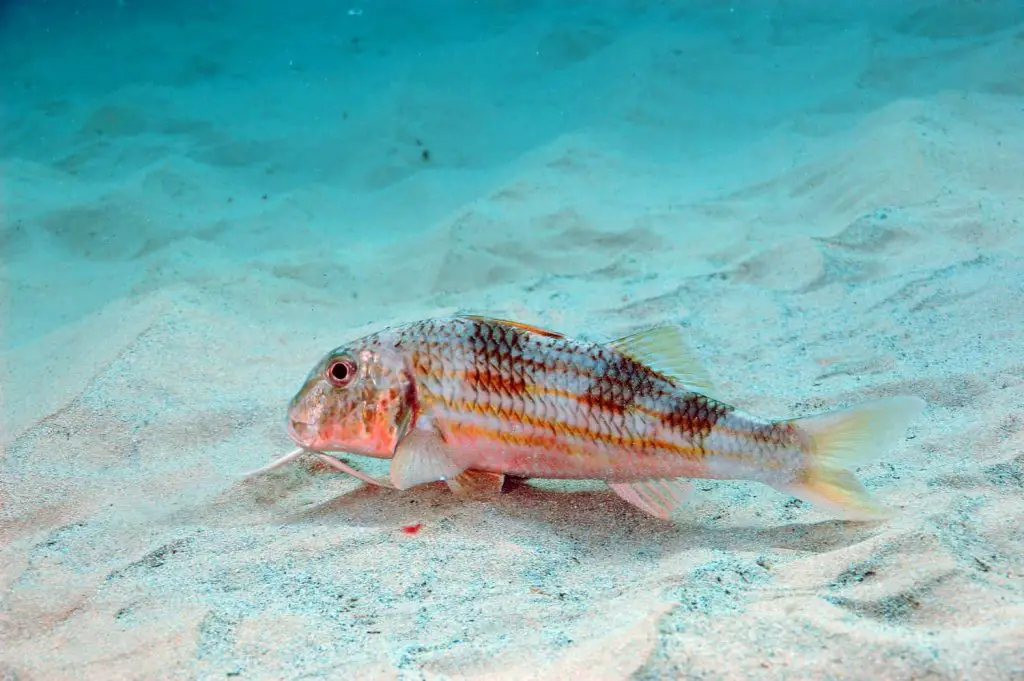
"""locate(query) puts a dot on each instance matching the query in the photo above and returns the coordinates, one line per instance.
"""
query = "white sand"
(199, 200)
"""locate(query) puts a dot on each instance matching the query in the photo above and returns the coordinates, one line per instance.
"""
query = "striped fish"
(470, 400)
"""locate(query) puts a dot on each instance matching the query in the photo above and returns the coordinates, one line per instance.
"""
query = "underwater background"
(200, 198)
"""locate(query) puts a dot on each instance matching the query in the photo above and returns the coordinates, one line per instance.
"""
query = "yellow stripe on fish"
(470, 399)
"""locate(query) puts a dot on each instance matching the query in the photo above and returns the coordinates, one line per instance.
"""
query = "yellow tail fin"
(843, 439)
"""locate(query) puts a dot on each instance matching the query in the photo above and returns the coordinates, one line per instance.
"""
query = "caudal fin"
(844, 439)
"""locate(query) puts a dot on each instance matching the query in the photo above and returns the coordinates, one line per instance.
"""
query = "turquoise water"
(201, 198)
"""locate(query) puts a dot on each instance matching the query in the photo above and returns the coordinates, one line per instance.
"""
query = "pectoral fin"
(421, 457)
(476, 485)
(657, 497)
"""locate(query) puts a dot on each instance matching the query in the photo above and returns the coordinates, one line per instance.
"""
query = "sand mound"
(829, 202)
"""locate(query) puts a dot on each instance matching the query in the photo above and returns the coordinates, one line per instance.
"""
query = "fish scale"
(586, 409)
(468, 400)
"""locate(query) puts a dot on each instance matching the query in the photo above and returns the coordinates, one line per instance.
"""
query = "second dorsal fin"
(664, 349)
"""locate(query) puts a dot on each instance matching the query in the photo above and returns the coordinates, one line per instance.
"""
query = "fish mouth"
(303, 434)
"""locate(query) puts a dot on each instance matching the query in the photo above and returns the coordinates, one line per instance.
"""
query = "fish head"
(359, 398)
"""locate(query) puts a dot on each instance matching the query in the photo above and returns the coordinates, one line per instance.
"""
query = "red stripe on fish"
(447, 397)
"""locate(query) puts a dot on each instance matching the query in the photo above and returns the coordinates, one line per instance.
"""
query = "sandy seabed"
(199, 201)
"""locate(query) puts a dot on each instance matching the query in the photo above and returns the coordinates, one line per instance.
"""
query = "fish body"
(468, 400)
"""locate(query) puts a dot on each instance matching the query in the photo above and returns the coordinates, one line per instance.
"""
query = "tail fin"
(843, 439)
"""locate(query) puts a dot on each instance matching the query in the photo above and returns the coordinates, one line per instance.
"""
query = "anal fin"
(477, 485)
(657, 497)
(422, 456)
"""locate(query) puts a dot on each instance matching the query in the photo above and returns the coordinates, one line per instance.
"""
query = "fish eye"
(340, 372)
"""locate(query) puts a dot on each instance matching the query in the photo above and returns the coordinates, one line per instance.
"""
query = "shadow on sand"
(592, 518)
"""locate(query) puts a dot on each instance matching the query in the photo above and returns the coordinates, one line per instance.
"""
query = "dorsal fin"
(517, 325)
(664, 349)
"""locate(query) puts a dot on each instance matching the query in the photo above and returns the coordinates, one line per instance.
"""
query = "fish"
(474, 402)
